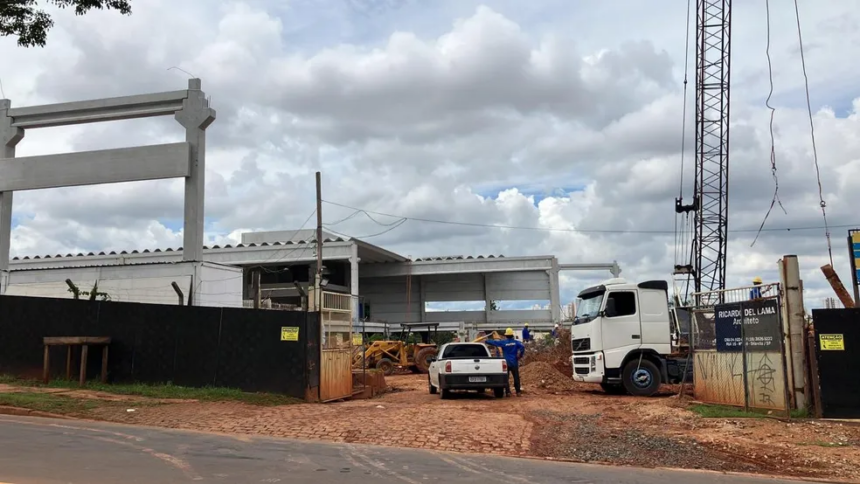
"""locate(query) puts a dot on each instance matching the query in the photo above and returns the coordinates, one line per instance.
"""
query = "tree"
(22, 19)
(494, 305)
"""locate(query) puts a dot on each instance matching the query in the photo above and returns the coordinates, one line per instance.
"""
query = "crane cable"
(821, 201)
(775, 199)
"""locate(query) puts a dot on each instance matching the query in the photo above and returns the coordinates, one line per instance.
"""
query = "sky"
(563, 117)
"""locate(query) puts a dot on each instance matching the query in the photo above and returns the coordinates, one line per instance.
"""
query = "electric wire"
(389, 229)
(574, 230)
(821, 201)
(775, 199)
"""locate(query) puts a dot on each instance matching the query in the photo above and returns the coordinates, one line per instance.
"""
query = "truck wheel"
(422, 359)
(386, 366)
(432, 388)
(641, 379)
(613, 389)
(499, 392)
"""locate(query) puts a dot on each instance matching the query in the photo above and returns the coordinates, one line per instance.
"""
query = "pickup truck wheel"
(499, 392)
(386, 366)
(433, 390)
(613, 388)
(641, 378)
(422, 359)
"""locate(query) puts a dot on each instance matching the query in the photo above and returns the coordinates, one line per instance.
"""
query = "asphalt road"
(34, 450)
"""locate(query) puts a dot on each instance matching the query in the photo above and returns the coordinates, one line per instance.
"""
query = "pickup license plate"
(477, 379)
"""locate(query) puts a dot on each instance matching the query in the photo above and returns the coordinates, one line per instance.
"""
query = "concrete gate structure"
(174, 160)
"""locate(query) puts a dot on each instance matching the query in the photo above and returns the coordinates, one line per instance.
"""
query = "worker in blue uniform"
(513, 351)
(527, 336)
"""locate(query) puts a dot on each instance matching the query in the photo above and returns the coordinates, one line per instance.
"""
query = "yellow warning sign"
(356, 340)
(832, 342)
(289, 333)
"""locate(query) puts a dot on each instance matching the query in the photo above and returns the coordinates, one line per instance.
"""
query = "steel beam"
(98, 110)
(94, 167)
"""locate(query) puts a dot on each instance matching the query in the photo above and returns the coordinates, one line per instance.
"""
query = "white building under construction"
(388, 287)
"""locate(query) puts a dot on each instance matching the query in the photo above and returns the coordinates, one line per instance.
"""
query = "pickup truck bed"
(467, 366)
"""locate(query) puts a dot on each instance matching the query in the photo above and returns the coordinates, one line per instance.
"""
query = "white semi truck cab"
(625, 338)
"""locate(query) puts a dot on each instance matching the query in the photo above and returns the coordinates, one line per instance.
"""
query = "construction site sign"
(832, 342)
(753, 324)
(289, 333)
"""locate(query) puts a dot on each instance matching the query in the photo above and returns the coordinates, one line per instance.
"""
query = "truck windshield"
(587, 307)
(465, 351)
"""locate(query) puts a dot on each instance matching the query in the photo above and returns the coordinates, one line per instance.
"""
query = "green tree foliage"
(30, 24)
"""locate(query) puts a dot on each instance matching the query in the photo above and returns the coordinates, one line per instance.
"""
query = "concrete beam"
(612, 267)
(98, 110)
(459, 266)
(94, 167)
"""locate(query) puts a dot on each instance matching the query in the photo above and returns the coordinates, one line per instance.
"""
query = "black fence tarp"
(152, 343)
(837, 344)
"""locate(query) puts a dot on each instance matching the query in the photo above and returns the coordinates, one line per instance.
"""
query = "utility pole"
(258, 293)
(318, 277)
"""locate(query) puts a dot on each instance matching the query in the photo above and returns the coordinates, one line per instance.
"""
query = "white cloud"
(561, 115)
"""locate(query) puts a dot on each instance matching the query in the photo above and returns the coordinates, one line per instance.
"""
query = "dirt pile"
(553, 351)
(543, 377)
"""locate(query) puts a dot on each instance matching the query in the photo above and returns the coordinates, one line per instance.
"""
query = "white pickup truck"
(467, 366)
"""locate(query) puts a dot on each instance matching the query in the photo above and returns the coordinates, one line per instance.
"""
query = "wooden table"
(69, 341)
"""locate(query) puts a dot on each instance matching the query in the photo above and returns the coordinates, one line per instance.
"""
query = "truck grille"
(581, 371)
(581, 344)
(582, 360)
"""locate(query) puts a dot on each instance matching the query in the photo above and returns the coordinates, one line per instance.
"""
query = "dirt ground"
(556, 418)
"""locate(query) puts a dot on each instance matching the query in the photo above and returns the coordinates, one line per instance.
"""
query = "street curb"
(26, 412)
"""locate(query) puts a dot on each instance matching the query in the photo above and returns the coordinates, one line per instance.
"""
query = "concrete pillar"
(554, 296)
(488, 301)
(9, 138)
(195, 117)
(5, 278)
(422, 296)
(353, 271)
(794, 319)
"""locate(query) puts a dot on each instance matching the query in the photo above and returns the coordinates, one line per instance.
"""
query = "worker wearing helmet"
(555, 331)
(513, 351)
(527, 336)
(756, 292)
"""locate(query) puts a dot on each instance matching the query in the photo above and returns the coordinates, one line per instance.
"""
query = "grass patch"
(208, 394)
(170, 391)
(46, 402)
(721, 411)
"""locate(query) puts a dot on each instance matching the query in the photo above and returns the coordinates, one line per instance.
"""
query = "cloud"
(563, 116)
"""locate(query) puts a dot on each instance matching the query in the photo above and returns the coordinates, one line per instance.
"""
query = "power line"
(582, 231)
(389, 229)
(812, 133)
(772, 109)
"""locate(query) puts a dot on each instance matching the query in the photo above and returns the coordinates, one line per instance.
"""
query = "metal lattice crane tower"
(711, 186)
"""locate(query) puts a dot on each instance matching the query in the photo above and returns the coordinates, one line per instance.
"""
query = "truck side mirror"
(610, 311)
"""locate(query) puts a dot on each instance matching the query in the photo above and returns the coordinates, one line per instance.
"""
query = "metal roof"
(368, 253)
(155, 251)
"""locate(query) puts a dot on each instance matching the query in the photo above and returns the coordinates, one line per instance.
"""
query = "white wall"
(217, 285)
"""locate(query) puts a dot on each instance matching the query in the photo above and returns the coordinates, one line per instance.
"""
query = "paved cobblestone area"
(467, 424)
